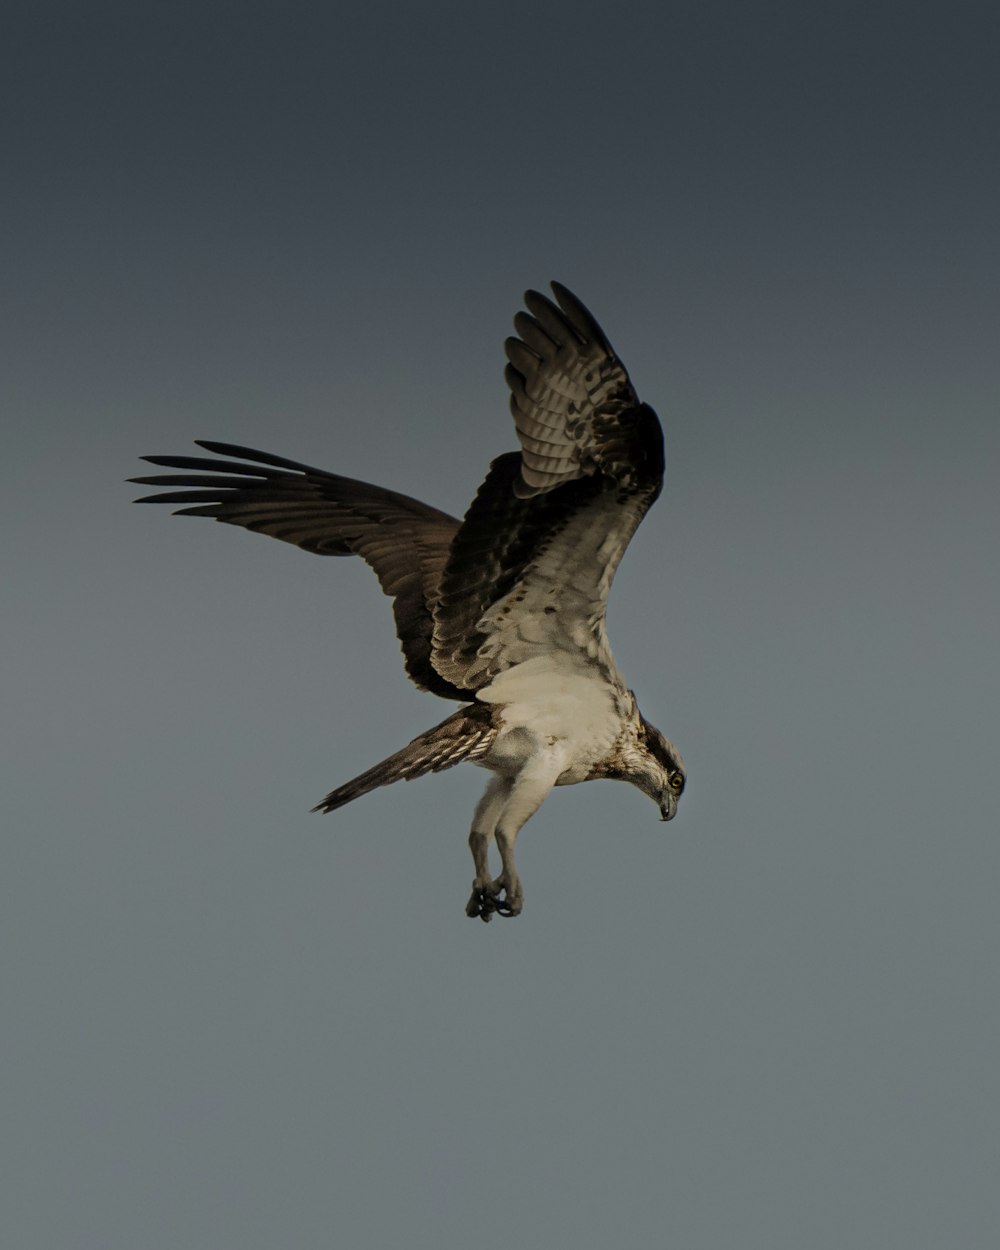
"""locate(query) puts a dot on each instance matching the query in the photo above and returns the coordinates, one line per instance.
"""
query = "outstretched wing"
(468, 734)
(404, 541)
(570, 396)
(530, 569)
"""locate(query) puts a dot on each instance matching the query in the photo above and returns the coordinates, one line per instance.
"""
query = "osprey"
(504, 610)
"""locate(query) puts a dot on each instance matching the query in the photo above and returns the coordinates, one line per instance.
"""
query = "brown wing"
(468, 734)
(530, 569)
(569, 395)
(404, 541)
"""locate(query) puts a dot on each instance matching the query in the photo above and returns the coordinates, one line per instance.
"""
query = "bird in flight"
(504, 610)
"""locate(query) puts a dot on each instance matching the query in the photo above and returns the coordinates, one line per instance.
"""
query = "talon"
(491, 897)
(483, 901)
(512, 900)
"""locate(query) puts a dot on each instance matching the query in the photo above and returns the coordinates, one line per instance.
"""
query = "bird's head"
(661, 775)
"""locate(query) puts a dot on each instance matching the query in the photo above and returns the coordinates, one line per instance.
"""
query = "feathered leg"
(485, 891)
(505, 807)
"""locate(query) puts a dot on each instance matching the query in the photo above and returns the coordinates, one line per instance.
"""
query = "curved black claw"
(482, 903)
(494, 898)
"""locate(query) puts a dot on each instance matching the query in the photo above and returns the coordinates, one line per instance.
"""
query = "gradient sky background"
(233, 1025)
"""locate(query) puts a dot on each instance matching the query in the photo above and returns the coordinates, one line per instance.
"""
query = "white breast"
(551, 704)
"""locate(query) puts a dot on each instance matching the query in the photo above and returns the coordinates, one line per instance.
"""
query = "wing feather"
(568, 390)
(404, 541)
(538, 546)
(530, 568)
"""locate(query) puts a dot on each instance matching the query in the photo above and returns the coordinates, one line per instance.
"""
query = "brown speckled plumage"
(505, 609)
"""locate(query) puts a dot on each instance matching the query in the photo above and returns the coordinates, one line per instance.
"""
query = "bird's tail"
(466, 735)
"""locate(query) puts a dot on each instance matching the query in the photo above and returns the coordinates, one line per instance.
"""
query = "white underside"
(563, 704)
(556, 715)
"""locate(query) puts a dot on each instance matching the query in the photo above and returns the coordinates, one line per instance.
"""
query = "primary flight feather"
(503, 611)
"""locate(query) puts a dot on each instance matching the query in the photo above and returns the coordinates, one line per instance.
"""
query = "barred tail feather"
(466, 735)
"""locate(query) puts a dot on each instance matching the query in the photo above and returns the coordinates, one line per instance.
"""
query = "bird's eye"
(677, 782)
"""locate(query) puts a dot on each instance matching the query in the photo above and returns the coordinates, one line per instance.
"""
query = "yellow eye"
(677, 782)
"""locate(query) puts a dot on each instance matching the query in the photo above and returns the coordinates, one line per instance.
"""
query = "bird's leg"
(530, 787)
(503, 809)
(485, 891)
(482, 901)
(513, 900)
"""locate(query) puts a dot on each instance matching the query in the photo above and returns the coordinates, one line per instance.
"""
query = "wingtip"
(579, 314)
(167, 462)
(236, 450)
(326, 807)
(566, 299)
(220, 449)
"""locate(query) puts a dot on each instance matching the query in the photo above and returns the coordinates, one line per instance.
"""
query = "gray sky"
(769, 1025)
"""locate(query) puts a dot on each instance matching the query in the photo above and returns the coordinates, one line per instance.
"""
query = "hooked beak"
(668, 807)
